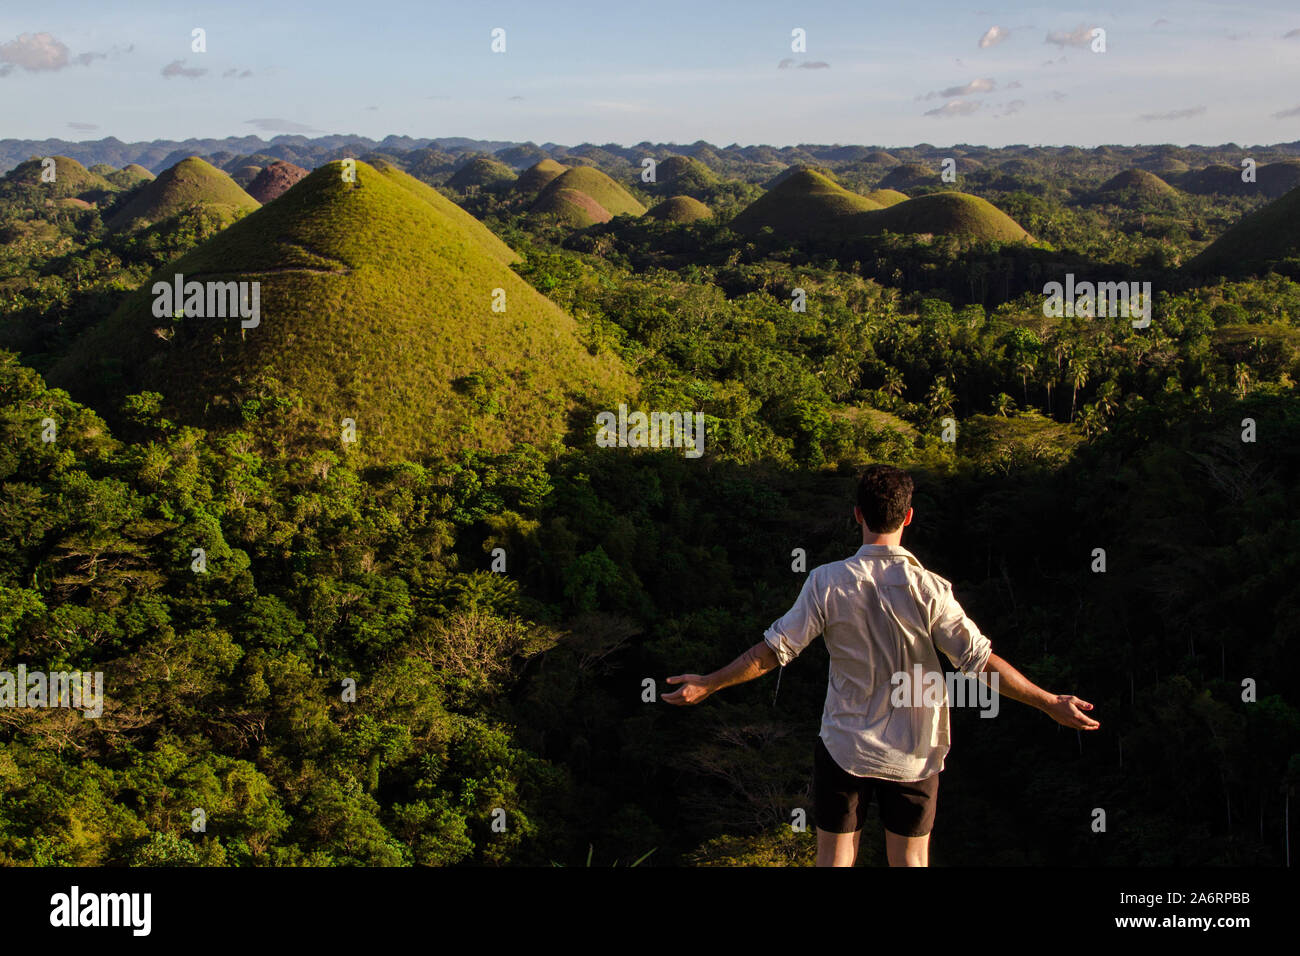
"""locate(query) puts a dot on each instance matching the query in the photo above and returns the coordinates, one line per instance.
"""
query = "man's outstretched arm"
(755, 662)
(1065, 709)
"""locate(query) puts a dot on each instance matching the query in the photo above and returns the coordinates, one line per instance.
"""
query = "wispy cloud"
(83, 127)
(236, 74)
(984, 85)
(178, 68)
(992, 37)
(1172, 114)
(1286, 114)
(1079, 36)
(955, 108)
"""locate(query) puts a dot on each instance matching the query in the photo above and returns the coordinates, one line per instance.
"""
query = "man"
(883, 615)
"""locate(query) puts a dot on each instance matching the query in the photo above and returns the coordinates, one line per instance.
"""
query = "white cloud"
(1079, 36)
(1173, 114)
(993, 37)
(955, 108)
(984, 85)
(34, 52)
(178, 68)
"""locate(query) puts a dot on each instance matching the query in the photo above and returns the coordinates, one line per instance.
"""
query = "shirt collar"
(880, 550)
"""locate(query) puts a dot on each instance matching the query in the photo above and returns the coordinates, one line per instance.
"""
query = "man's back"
(882, 614)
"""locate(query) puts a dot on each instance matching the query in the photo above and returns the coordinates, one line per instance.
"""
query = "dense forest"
(442, 658)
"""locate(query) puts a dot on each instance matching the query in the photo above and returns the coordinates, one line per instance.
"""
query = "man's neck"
(895, 539)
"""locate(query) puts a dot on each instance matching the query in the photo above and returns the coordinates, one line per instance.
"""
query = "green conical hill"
(887, 197)
(946, 214)
(805, 203)
(70, 179)
(591, 181)
(1266, 238)
(1136, 182)
(484, 173)
(189, 183)
(375, 305)
(536, 177)
(680, 209)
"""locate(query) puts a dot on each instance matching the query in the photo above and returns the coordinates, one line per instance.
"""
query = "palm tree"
(1077, 372)
(893, 386)
(1241, 373)
(1003, 404)
(940, 398)
(1108, 397)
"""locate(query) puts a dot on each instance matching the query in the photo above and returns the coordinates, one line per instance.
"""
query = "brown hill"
(273, 181)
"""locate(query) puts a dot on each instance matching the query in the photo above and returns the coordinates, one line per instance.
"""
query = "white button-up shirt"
(882, 614)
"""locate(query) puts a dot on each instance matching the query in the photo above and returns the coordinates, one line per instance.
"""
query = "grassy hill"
(1137, 184)
(887, 197)
(1264, 239)
(484, 236)
(130, 176)
(683, 176)
(376, 305)
(805, 203)
(70, 179)
(1272, 180)
(536, 177)
(823, 171)
(190, 182)
(947, 214)
(910, 176)
(571, 207)
(482, 173)
(596, 185)
(680, 209)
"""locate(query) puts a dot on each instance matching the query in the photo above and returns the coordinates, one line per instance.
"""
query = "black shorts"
(840, 799)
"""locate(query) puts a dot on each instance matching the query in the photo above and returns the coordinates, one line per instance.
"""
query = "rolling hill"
(947, 214)
(274, 180)
(536, 177)
(130, 176)
(910, 176)
(887, 197)
(683, 176)
(598, 187)
(483, 173)
(808, 205)
(375, 305)
(680, 209)
(803, 204)
(571, 207)
(1262, 240)
(1136, 184)
(71, 179)
(189, 183)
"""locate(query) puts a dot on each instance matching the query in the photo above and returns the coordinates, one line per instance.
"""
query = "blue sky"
(666, 71)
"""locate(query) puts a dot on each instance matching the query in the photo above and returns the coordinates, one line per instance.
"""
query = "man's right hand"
(1068, 711)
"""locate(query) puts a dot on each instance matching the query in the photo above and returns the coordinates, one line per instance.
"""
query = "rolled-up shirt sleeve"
(800, 625)
(955, 633)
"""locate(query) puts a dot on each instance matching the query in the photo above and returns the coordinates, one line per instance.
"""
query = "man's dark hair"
(884, 495)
